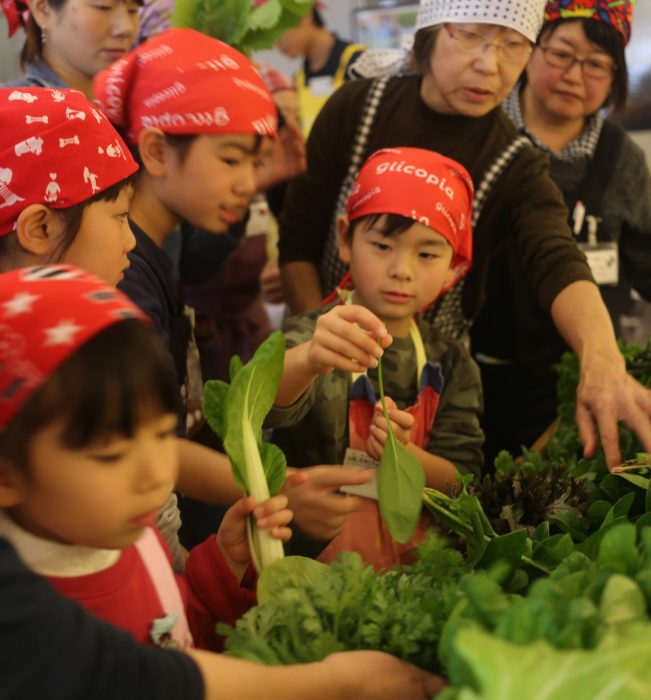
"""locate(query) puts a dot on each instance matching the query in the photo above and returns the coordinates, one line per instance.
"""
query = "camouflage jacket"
(314, 430)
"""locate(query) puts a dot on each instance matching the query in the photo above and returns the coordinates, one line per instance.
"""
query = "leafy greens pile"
(308, 610)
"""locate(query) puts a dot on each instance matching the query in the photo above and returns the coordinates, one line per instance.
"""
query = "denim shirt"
(37, 74)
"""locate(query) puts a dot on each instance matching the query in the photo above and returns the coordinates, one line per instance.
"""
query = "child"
(66, 182)
(88, 457)
(407, 240)
(200, 119)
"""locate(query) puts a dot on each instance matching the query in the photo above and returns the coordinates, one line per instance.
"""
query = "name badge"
(323, 86)
(603, 259)
(361, 460)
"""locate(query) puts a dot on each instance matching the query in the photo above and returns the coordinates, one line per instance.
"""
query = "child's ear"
(154, 151)
(343, 228)
(10, 485)
(39, 229)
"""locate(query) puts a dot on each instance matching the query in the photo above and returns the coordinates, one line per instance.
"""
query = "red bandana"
(617, 13)
(46, 314)
(424, 186)
(185, 82)
(55, 149)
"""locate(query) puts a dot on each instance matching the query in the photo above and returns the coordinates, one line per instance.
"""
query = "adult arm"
(311, 197)
(51, 648)
(354, 675)
(606, 393)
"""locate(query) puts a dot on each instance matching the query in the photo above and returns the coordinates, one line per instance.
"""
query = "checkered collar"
(583, 146)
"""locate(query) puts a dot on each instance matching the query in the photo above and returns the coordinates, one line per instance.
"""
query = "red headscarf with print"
(424, 186)
(617, 13)
(57, 149)
(185, 82)
(46, 314)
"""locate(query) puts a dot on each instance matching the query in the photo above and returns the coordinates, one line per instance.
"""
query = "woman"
(69, 41)
(451, 105)
(577, 68)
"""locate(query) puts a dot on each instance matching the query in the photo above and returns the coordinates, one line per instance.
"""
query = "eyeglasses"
(511, 50)
(592, 67)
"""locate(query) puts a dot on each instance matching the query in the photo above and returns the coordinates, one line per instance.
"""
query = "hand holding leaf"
(401, 481)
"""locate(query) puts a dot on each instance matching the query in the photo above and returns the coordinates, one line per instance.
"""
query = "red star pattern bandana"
(46, 314)
(424, 186)
(55, 149)
(185, 82)
(617, 13)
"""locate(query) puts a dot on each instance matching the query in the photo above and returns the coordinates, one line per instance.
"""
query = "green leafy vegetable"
(240, 23)
(492, 669)
(308, 610)
(401, 481)
(236, 413)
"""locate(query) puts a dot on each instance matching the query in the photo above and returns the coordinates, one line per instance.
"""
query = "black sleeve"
(51, 648)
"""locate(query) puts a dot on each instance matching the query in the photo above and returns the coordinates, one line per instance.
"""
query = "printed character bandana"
(46, 314)
(617, 13)
(185, 82)
(525, 16)
(55, 149)
(424, 186)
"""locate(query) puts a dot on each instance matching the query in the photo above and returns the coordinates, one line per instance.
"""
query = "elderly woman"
(468, 57)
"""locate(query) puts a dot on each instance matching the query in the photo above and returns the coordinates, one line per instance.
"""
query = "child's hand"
(346, 338)
(232, 540)
(401, 422)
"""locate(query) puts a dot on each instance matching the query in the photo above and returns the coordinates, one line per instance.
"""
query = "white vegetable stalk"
(265, 549)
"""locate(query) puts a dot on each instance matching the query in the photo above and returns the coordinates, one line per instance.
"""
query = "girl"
(83, 479)
(66, 182)
(69, 41)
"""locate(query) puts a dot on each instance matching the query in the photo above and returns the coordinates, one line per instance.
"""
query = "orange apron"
(364, 531)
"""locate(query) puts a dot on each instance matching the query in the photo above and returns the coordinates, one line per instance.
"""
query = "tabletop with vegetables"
(534, 583)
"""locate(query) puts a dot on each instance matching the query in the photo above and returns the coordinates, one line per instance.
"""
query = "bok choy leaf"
(401, 481)
(236, 413)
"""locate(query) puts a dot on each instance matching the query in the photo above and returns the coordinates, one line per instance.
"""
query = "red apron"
(364, 531)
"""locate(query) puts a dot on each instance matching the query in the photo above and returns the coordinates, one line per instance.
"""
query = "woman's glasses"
(511, 49)
(593, 67)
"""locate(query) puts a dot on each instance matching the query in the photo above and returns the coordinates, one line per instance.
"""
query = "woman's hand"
(606, 395)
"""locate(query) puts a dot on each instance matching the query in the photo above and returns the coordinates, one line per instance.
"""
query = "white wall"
(9, 51)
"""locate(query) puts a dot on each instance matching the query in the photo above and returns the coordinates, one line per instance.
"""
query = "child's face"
(397, 276)
(102, 495)
(213, 187)
(104, 239)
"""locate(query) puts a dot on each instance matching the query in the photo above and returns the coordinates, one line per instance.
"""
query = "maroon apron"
(364, 531)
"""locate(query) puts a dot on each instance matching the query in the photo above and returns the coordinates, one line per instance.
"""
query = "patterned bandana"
(424, 186)
(46, 314)
(55, 149)
(617, 13)
(185, 82)
(525, 16)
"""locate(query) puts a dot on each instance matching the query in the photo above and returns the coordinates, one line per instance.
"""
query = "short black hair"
(390, 224)
(119, 378)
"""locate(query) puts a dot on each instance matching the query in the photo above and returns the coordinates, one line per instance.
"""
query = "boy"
(200, 119)
(407, 240)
